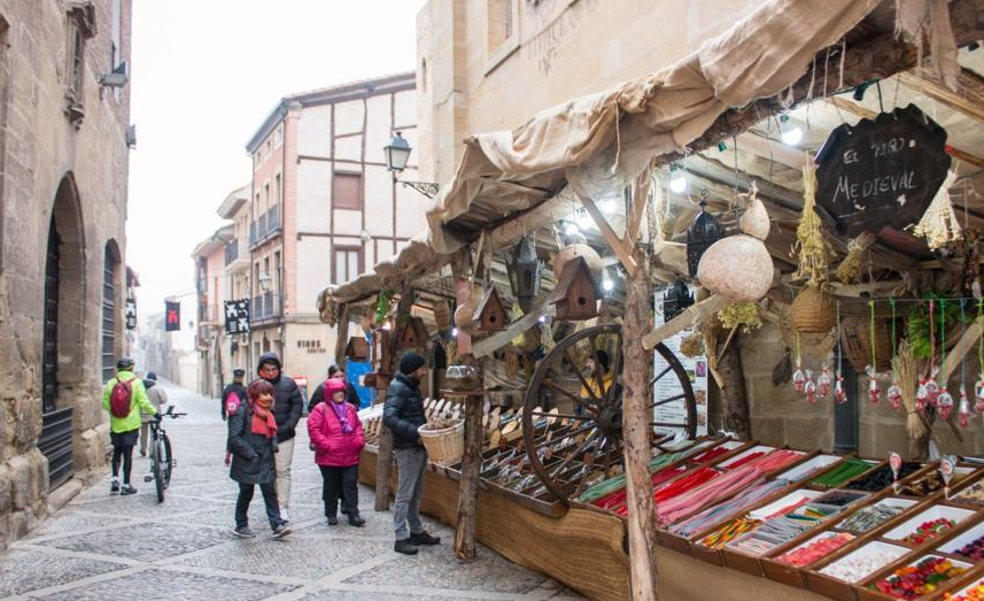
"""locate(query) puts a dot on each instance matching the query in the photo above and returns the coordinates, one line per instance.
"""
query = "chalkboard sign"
(881, 173)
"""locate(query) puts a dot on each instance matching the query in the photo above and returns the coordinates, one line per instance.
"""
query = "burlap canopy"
(598, 144)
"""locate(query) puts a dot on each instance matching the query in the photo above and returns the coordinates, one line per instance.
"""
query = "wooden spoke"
(580, 449)
(557, 388)
(549, 414)
(616, 369)
(580, 377)
(668, 400)
(660, 375)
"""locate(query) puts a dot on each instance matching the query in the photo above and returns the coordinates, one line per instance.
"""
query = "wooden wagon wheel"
(572, 420)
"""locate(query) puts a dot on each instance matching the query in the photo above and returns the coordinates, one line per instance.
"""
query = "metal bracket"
(428, 189)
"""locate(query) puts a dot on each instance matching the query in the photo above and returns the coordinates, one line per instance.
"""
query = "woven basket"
(813, 311)
(444, 446)
(856, 342)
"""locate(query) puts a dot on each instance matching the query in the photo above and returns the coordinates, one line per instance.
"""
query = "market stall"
(597, 291)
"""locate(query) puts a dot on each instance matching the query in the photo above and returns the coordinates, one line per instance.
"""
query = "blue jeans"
(269, 491)
(406, 510)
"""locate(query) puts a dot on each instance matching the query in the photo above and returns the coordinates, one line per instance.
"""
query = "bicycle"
(161, 460)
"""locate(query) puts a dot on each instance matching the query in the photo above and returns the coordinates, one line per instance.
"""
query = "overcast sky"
(205, 74)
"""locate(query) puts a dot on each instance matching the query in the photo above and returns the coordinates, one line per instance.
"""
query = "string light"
(678, 179)
(572, 229)
(607, 206)
(791, 134)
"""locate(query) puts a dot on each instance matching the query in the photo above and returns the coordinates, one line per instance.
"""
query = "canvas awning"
(596, 145)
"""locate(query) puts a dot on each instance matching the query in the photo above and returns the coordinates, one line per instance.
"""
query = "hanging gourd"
(739, 268)
(702, 234)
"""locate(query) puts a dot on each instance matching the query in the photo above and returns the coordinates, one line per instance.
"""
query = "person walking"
(287, 410)
(158, 398)
(237, 388)
(124, 397)
(253, 439)
(403, 413)
(336, 433)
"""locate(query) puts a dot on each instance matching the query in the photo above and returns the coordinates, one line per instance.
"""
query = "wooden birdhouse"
(490, 315)
(575, 297)
(357, 348)
(413, 336)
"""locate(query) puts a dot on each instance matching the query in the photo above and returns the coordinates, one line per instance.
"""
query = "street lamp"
(265, 282)
(397, 155)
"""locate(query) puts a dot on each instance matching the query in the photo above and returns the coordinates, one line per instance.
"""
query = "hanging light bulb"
(584, 221)
(678, 180)
(572, 229)
(454, 332)
(607, 285)
(607, 206)
(791, 134)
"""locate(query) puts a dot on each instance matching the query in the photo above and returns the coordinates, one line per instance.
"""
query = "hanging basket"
(442, 316)
(856, 342)
(813, 311)
(445, 445)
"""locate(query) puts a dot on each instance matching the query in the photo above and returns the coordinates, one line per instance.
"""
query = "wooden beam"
(963, 346)
(640, 198)
(487, 346)
(969, 100)
(624, 254)
(689, 317)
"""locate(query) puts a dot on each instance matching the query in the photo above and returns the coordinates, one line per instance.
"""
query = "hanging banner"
(237, 316)
(131, 314)
(675, 412)
(172, 316)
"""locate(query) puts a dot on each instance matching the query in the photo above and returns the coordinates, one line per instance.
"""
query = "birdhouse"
(576, 296)
(525, 274)
(677, 298)
(490, 315)
(357, 348)
(413, 336)
(702, 233)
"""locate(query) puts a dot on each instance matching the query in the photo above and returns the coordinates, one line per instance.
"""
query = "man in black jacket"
(287, 409)
(403, 414)
(236, 387)
(318, 396)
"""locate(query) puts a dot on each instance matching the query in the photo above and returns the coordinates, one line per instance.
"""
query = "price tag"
(948, 465)
(895, 462)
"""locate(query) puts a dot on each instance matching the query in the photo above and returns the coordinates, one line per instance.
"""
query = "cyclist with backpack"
(125, 397)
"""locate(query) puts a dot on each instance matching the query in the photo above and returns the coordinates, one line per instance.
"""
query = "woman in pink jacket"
(336, 434)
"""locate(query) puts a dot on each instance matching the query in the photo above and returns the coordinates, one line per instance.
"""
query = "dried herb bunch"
(740, 314)
(811, 248)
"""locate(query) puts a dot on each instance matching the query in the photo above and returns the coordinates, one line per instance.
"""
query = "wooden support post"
(624, 253)
(635, 420)
(471, 463)
(689, 317)
(342, 335)
(489, 345)
(734, 399)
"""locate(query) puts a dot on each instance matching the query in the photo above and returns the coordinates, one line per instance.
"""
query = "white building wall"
(314, 132)
(314, 197)
(313, 271)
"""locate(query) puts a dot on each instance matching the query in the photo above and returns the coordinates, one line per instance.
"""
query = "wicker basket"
(444, 446)
(856, 342)
(813, 311)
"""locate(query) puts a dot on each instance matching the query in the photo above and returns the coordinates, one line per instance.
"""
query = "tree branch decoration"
(810, 247)
(939, 225)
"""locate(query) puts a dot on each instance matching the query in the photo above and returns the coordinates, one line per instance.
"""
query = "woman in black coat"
(253, 442)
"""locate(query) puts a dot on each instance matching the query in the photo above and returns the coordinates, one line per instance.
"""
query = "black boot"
(424, 539)
(404, 546)
(354, 519)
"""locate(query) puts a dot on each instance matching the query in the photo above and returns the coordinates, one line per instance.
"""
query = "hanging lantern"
(677, 298)
(525, 274)
(702, 233)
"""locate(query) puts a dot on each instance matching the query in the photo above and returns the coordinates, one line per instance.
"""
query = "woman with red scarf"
(336, 434)
(253, 441)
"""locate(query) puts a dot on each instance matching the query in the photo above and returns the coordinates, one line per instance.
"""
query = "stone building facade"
(63, 196)
(212, 288)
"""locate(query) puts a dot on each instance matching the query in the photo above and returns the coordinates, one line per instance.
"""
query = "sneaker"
(128, 489)
(356, 520)
(114, 487)
(332, 520)
(424, 539)
(404, 546)
(283, 515)
(244, 532)
(281, 531)
(143, 453)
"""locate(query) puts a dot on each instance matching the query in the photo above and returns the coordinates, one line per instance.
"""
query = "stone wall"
(76, 173)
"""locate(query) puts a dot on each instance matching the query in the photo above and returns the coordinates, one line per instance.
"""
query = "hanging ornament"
(932, 388)
(702, 233)
(840, 394)
(944, 402)
(811, 246)
(922, 395)
(894, 391)
(874, 391)
(894, 394)
(799, 378)
(939, 225)
(810, 388)
(964, 407)
(824, 382)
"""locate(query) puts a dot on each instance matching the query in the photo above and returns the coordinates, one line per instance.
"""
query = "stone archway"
(62, 365)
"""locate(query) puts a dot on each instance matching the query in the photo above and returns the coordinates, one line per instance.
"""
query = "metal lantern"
(677, 298)
(702, 233)
(525, 274)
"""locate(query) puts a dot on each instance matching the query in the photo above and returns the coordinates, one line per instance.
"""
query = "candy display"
(929, 530)
(882, 477)
(972, 550)
(974, 592)
(868, 518)
(848, 469)
(712, 515)
(615, 483)
(784, 528)
(866, 560)
(929, 484)
(816, 549)
(729, 532)
(973, 494)
(912, 582)
(840, 498)
(712, 454)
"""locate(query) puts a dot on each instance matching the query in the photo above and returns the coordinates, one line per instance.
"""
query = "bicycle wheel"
(156, 460)
(167, 462)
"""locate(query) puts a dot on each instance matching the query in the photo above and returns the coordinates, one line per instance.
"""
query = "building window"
(278, 136)
(116, 47)
(346, 191)
(277, 189)
(266, 196)
(278, 283)
(347, 264)
(81, 27)
(110, 264)
(500, 23)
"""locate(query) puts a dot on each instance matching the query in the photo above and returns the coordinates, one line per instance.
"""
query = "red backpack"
(120, 398)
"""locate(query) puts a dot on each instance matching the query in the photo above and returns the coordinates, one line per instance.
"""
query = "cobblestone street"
(110, 547)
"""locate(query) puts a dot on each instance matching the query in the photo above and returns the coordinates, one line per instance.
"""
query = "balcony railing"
(266, 305)
(265, 227)
(231, 251)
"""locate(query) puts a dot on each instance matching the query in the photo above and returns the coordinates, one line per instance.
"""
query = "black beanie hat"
(411, 362)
